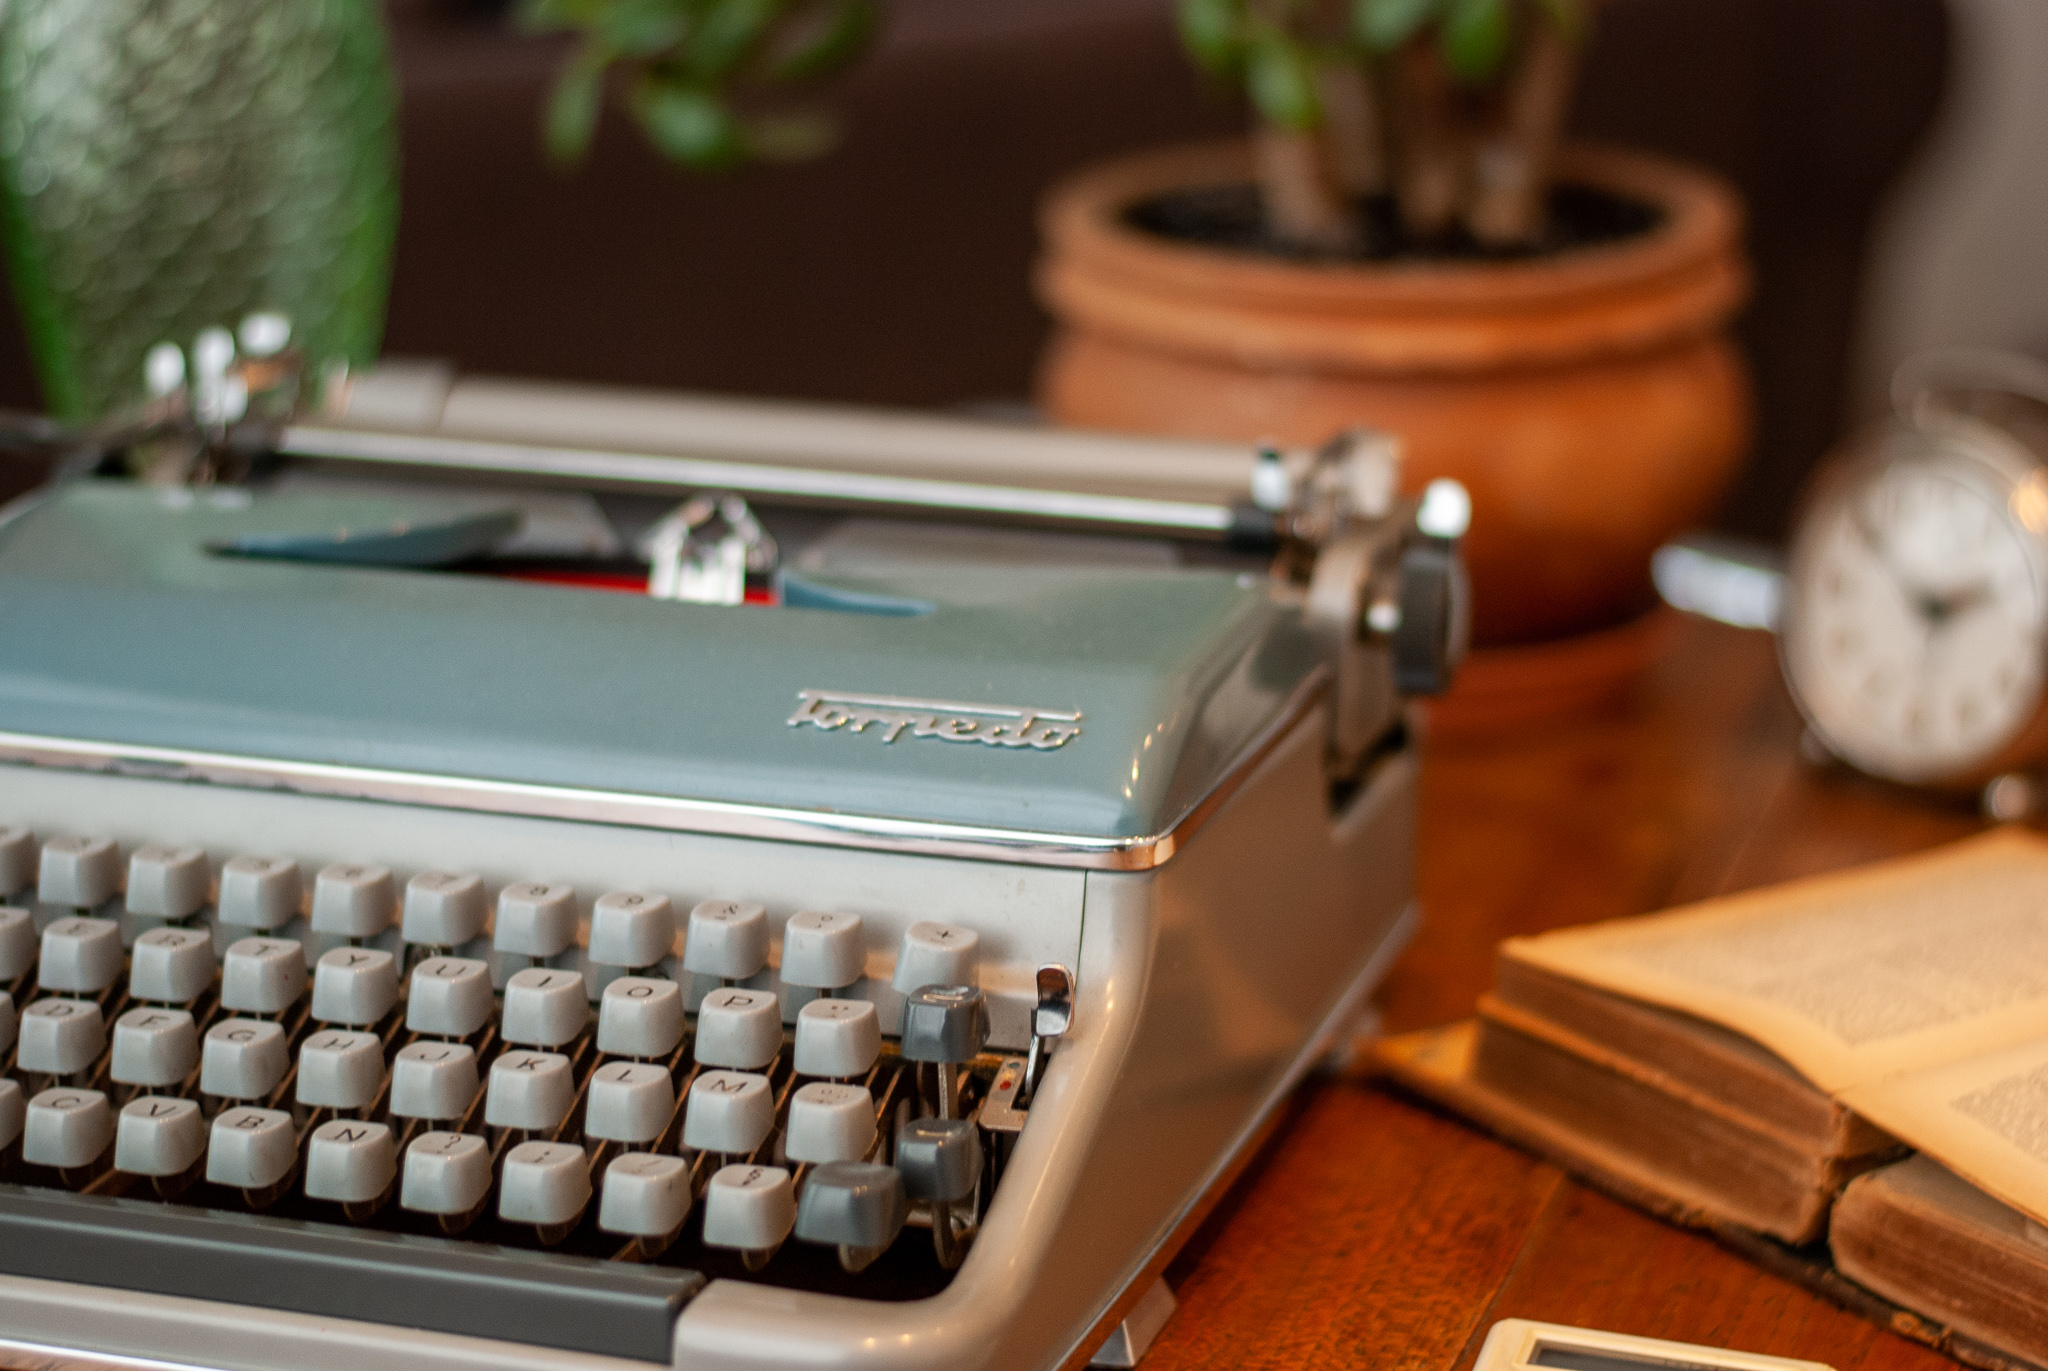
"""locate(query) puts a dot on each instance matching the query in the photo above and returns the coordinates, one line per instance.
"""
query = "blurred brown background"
(897, 270)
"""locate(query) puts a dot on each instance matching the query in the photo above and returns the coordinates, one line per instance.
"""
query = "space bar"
(575, 1303)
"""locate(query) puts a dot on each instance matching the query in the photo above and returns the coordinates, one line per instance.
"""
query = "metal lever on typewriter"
(1049, 1022)
(1384, 592)
(1003, 1112)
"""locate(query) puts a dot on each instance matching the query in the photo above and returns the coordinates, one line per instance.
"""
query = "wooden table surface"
(1373, 1232)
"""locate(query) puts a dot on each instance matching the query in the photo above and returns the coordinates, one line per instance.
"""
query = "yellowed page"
(1986, 1119)
(1850, 977)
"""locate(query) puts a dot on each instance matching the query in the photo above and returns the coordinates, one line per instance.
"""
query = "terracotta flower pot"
(1590, 400)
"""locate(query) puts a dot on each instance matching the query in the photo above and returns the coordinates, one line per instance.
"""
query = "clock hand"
(1881, 548)
(1934, 608)
(1940, 609)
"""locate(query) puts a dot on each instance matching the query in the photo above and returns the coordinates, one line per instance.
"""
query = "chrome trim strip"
(632, 810)
(695, 473)
(50, 1357)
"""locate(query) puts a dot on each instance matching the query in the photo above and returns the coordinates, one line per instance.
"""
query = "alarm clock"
(1913, 628)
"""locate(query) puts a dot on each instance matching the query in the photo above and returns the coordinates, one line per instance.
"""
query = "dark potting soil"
(1229, 217)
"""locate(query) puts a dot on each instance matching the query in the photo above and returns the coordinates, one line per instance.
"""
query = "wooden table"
(1373, 1232)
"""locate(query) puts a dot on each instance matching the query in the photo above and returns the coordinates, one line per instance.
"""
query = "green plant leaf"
(690, 124)
(725, 34)
(1383, 25)
(790, 137)
(575, 104)
(825, 39)
(1282, 81)
(552, 16)
(1568, 17)
(1476, 34)
(1213, 33)
(641, 28)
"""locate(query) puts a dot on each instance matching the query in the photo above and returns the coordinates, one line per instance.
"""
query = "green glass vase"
(171, 165)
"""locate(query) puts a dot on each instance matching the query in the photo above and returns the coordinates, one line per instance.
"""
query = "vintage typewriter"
(501, 875)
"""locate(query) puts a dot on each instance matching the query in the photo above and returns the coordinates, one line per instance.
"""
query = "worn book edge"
(1438, 1064)
(1609, 955)
(1917, 1234)
(1691, 1052)
(1848, 1137)
(1435, 1064)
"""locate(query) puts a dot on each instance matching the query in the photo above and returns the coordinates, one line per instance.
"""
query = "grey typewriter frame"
(1147, 1108)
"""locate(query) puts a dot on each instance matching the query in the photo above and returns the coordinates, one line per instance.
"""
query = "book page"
(1986, 1119)
(1850, 977)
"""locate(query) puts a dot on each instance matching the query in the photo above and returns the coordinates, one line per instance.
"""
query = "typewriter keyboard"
(498, 1075)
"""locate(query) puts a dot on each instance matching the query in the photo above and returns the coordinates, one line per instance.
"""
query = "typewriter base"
(1206, 989)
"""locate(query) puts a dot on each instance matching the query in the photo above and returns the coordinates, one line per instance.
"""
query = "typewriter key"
(67, 1128)
(639, 1016)
(829, 1122)
(157, 1136)
(60, 1036)
(355, 985)
(353, 901)
(340, 1070)
(18, 858)
(837, 1038)
(262, 975)
(543, 1007)
(530, 1090)
(154, 1047)
(823, 951)
(443, 909)
(448, 1174)
(856, 1206)
(171, 965)
(80, 955)
(936, 954)
(433, 1080)
(629, 1102)
(17, 942)
(545, 1184)
(729, 1112)
(450, 997)
(535, 919)
(351, 1163)
(631, 928)
(259, 892)
(252, 1150)
(727, 939)
(738, 1028)
(167, 882)
(13, 1110)
(80, 872)
(646, 1197)
(243, 1059)
(751, 1208)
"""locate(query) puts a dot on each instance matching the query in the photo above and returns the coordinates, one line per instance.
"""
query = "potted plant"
(1402, 242)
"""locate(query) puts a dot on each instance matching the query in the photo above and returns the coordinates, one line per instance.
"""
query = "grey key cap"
(940, 1159)
(852, 1204)
(944, 1023)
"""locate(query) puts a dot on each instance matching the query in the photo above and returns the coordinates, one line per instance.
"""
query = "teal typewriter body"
(422, 945)
(251, 646)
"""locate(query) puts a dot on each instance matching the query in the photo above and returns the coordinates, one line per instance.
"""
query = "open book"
(1755, 1060)
(1913, 992)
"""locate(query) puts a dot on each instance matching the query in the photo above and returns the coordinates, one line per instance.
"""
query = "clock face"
(1914, 631)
